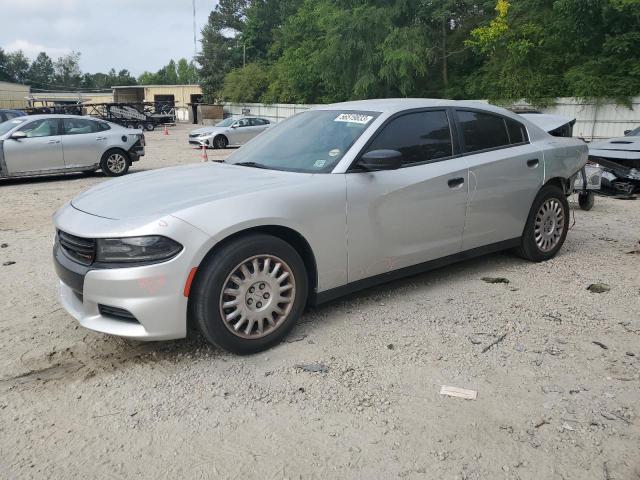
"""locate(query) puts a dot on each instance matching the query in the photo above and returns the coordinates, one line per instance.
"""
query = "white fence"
(593, 119)
(275, 112)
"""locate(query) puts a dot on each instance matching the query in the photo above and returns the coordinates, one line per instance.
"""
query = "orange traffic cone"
(203, 155)
(166, 131)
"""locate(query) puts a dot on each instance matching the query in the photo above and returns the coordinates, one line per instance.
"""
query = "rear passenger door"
(505, 174)
(82, 142)
(404, 217)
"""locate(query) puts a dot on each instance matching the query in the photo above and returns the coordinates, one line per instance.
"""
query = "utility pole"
(195, 42)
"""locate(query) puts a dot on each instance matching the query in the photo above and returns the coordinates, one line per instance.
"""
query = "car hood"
(167, 191)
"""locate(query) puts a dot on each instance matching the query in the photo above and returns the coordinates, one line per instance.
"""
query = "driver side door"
(38, 152)
(404, 217)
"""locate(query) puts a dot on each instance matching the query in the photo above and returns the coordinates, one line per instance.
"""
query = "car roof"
(58, 115)
(395, 105)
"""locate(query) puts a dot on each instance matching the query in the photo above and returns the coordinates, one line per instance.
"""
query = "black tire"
(220, 142)
(108, 163)
(140, 126)
(149, 127)
(529, 247)
(586, 200)
(205, 302)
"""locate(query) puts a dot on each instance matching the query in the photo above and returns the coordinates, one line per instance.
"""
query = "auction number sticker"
(354, 118)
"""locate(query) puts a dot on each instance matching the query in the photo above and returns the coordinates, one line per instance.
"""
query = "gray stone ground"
(551, 403)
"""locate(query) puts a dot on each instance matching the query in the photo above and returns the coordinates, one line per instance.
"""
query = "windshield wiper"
(252, 165)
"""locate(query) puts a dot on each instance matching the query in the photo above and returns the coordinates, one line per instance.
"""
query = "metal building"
(13, 95)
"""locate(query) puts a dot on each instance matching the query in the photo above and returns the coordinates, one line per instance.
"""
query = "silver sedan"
(50, 144)
(231, 132)
(330, 201)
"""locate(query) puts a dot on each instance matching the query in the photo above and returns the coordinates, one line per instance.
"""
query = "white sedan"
(231, 132)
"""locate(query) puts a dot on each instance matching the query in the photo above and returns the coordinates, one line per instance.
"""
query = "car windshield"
(226, 122)
(313, 141)
(11, 124)
(634, 133)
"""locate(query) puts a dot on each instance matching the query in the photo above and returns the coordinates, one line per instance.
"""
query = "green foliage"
(182, 73)
(328, 50)
(245, 84)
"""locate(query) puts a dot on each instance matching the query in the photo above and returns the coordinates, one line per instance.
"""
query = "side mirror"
(18, 135)
(235, 125)
(627, 132)
(381, 160)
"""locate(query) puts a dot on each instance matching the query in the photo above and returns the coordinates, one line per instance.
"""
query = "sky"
(137, 35)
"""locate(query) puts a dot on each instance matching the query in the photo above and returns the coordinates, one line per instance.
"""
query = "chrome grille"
(81, 250)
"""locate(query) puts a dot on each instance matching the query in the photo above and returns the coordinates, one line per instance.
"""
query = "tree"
(17, 67)
(221, 51)
(4, 67)
(67, 70)
(187, 72)
(246, 84)
(41, 72)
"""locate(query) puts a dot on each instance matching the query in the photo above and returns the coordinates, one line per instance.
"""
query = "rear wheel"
(249, 294)
(149, 127)
(220, 142)
(547, 225)
(115, 163)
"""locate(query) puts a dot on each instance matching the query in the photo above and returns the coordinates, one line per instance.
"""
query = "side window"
(103, 126)
(79, 126)
(10, 115)
(481, 131)
(517, 132)
(243, 122)
(41, 128)
(420, 137)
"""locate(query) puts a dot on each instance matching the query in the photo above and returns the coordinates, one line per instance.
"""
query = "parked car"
(231, 132)
(327, 202)
(7, 114)
(49, 144)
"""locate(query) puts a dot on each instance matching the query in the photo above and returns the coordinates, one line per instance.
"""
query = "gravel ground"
(551, 402)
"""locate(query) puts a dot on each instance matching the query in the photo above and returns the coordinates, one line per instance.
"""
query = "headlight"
(136, 249)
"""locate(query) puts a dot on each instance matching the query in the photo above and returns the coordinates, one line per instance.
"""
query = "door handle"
(533, 163)
(455, 182)
(101, 138)
(54, 141)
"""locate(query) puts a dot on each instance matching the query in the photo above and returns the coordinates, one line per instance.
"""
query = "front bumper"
(152, 294)
(199, 142)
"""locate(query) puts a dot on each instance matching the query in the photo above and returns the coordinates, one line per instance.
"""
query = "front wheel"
(249, 294)
(547, 225)
(114, 163)
(220, 142)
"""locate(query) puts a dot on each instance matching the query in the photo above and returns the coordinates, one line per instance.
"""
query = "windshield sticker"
(319, 163)
(334, 153)
(354, 118)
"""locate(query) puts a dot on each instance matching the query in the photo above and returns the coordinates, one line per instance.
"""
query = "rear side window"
(103, 126)
(481, 131)
(79, 126)
(517, 132)
(420, 137)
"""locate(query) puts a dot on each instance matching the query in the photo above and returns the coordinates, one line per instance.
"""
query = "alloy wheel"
(257, 296)
(116, 163)
(549, 225)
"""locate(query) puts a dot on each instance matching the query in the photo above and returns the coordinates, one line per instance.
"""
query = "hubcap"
(116, 163)
(257, 296)
(549, 225)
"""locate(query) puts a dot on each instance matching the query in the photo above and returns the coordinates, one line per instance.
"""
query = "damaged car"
(51, 144)
(620, 161)
(330, 201)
